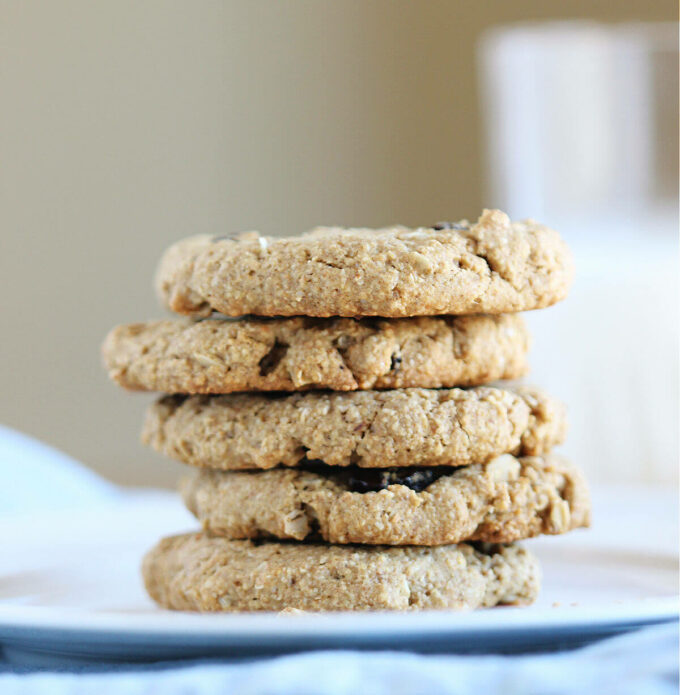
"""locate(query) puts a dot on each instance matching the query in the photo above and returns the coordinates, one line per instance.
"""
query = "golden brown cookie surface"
(492, 266)
(222, 356)
(373, 429)
(506, 500)
(196, 572)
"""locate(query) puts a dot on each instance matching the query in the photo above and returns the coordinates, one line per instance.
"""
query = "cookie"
(197, 572)
(221, 356)
(505, 500)
(493, 266)
(373, 429)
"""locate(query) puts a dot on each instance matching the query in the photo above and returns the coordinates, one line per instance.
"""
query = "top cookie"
(493, 266)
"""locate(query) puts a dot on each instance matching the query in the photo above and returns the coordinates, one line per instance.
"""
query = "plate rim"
(14, 619)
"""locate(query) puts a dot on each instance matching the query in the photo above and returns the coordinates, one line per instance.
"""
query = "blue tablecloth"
(645, 662)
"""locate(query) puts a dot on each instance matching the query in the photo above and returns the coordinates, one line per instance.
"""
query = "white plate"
(70, 590)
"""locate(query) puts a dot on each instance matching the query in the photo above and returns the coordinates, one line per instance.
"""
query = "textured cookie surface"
(222, 356)
(196, 572)
(506, 500)
(493, 266)
(375, 429)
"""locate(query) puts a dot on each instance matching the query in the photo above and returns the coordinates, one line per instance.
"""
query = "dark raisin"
(374, 479)
(358, 479)
(271, 360)
(395, 362)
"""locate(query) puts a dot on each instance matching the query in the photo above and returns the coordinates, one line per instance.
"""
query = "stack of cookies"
(328, 388)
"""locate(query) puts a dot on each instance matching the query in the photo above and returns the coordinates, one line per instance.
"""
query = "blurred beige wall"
(126, 125)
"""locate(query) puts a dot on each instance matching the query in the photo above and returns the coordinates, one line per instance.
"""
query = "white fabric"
(38, 477)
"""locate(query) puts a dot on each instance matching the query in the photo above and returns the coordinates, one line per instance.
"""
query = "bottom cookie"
(197, 572)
